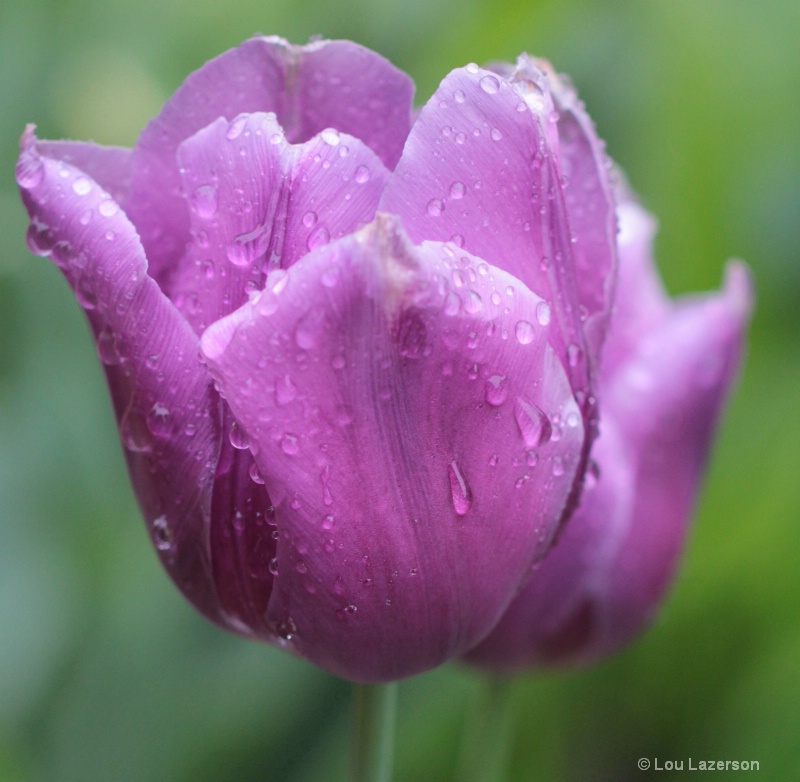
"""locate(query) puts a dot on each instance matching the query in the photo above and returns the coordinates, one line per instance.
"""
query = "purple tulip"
(353, 360)
(667, 367)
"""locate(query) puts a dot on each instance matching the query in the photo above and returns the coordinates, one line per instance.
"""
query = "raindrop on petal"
(459, 490)
(534, 425)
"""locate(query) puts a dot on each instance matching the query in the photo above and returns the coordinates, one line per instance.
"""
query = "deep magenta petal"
(413, 428)
(324, 84)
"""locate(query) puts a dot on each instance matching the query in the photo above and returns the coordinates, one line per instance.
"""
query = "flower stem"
(487, 733)
(375, 707)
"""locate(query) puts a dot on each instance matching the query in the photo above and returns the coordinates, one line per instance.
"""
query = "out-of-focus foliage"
(105, 674)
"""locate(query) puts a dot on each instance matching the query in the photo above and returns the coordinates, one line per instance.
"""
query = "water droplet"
(248, 247)
(543, 313)
(473, 302)
(452, 304)
(531, 457)
(305, 334)
(490, 84)
(238, 437)
(309, 219)
(255, 474)
(574, 355)
(493, 459)
(496, 390)
(318, 237)
(435, 207)
(534, 425)
(459, 491)
(204, 201)
(457, 239)
(29, 171)
(558, 467)
(573, 419)
(524, 331)
(82, 186)
(459, 96)
(159, 420)
(289, 444)
(40, 238)
(285, 390)
(107, 347)
(327, 522)
(134, 433)
(457, 190)
(162, 534)
(236, 127)
(496, 134)
(286, 629)
(108, 208)
(362, 175)
(331, 137)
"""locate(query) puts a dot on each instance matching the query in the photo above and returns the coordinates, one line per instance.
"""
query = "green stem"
(487, 733)
(375, 707)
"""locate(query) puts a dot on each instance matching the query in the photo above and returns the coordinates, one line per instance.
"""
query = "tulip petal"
(479, 169)
(418, 438)
(589, 199)
(110, 167)
(259, 203)
(603, 580)
(161, 392)
(335, 84)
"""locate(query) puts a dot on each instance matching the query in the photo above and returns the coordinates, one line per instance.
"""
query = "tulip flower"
(353, 358)
(667, 367)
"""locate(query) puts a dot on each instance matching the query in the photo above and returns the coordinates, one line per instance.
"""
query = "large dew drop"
(459, 490)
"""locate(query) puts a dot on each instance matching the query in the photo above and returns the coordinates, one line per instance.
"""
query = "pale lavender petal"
(161, 392)
(602, 582)
(324, 84)
(258, 203)
(418, 438)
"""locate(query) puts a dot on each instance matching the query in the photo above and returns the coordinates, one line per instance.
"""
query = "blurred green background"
(107, 675)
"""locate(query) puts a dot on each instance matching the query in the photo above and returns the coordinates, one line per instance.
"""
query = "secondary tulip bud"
(667, 369)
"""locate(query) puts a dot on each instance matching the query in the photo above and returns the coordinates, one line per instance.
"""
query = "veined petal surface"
(417, 436)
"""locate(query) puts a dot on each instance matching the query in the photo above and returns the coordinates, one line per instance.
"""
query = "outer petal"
(258, 203)
(161, 392)
(324, 84)
(602, 582)
(396, 401)
(588, 195)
